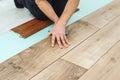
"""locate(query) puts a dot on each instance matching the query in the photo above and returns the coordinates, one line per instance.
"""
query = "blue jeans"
(58, 6)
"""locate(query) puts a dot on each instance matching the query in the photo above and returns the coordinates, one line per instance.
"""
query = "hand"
(58, 34)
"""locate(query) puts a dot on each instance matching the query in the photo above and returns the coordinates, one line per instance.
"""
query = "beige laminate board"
(39, 56)
(96, 46)
(107, 68)
(61, 70)
(104, 15)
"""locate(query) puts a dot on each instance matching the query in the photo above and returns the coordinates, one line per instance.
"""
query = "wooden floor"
(94, 53)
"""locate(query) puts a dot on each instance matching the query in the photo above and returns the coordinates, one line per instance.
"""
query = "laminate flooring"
(94, 53)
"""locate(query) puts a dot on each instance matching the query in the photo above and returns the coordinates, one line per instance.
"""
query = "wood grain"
(107, 68)
(96, 46)
(27, 29)
(96, 49)
(39, 56)
(61, 70)
(104, 15)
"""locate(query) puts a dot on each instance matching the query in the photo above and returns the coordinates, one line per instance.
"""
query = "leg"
(35, 11)
(17, 4)
(33, 8)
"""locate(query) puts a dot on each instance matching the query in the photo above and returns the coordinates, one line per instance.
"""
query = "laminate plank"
(96, 46)
(61, 70)
(27, 29)
(107, 68)
(104, 15)
(39, 56)
(39, 26)
(25, 26)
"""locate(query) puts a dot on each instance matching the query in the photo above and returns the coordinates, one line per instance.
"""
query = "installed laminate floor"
(94, 53)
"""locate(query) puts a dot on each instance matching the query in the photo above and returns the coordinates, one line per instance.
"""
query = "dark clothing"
(58, 6)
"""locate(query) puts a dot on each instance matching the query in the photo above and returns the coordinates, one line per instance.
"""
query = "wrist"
(62, 22)
(55, 20)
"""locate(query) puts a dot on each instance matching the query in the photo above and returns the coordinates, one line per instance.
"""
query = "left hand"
(58, 34)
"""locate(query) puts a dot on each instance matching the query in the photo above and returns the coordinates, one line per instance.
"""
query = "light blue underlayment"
(11, 44)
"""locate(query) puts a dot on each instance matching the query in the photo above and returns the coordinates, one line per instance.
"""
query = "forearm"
(70, 8)
(47, 9)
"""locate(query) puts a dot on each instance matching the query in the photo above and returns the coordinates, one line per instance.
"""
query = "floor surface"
(94, 53)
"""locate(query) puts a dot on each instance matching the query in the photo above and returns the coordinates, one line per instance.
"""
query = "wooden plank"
(27, 29)
(96, 46)
(107, 68)
(104, 15)
(25, 26)
(61, 70)
(34, 59)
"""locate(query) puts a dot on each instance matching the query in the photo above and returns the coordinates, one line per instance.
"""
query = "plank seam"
(101, 57)
(76, 46)
(66, 53)
(99, 29)
(106, 52)
(103, 25)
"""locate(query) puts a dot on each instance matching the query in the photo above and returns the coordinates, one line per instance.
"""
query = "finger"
(66, 40)
(53, 41)
(63, 41)
(58, 41)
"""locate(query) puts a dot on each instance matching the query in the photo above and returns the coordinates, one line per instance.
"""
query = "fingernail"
(61, 47)
(66, 46)
(68, 43)
(52, 45)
